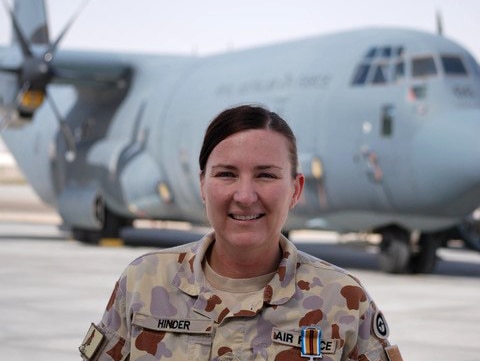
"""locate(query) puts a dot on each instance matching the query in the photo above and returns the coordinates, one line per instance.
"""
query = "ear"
(299, 183)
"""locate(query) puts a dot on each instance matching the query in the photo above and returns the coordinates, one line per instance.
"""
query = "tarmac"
(53, 287)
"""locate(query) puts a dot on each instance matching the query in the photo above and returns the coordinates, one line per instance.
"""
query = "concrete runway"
(53, 287)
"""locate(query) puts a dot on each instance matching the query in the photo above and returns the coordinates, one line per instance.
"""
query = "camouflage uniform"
(162, 308)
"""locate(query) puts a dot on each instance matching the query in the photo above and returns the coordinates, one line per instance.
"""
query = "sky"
(214, 26)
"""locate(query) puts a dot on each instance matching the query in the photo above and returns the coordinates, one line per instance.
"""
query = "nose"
(446, 158)
(245, 193)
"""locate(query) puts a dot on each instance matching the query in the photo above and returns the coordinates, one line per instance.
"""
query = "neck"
(243, 263)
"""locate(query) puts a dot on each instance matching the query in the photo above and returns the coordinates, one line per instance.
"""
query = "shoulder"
(328, 272)
(166, 258)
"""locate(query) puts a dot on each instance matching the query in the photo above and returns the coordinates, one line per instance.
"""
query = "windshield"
(383, 65)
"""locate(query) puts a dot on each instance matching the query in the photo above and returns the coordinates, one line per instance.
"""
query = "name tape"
(194, 326)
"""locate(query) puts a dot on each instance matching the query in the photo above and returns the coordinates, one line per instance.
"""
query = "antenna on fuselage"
(439, 23)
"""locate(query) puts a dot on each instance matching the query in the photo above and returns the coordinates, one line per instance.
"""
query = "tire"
(424, 261)
(394, 255)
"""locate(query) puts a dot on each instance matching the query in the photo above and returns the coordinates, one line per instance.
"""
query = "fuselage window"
(423, 67)
(453, 65)
(386, 120)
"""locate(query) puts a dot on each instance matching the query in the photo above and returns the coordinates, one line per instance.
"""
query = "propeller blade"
(48, 56)
(71, 153)
(18, 32)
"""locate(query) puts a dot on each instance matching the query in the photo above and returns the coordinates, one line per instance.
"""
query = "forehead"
(259, 144)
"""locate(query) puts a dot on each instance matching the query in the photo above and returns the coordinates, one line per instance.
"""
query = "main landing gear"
(401, 253)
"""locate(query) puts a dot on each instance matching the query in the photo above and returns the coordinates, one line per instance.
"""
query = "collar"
(190, 279)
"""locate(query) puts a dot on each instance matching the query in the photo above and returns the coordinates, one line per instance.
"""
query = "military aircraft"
(387, 122)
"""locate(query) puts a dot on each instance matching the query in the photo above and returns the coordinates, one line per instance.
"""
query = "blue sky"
(212, 26)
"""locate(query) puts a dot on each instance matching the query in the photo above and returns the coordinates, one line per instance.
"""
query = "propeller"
(33, 75)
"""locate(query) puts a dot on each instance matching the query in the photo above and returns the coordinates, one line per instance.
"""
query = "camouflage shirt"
(162, 308)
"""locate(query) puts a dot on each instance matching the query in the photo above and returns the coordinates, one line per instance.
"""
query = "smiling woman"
(243, 292)
(249, 181)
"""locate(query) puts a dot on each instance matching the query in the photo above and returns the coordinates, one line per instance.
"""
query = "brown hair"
(241, 118)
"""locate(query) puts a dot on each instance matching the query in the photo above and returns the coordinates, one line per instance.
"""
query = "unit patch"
(294, 339)
(380, 327)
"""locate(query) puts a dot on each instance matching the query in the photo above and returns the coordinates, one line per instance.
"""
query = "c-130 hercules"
(387, 122)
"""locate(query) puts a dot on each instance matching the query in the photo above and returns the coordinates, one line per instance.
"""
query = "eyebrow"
(259, 167)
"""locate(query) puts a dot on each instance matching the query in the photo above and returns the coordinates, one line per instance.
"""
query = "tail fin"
(32, 19)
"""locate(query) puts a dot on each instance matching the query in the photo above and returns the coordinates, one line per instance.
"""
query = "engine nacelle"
(82, 207)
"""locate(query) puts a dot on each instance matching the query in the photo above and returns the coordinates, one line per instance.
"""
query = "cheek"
(215, 195)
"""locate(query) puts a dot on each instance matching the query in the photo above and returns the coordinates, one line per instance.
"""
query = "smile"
(245, 218)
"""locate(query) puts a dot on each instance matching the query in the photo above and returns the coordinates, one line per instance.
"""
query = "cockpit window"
(379, 75)
(377, 66)
(387, 64)
(387, 52)
(423, 67)
(453, 65)
(399, 71)
(361, 74)
(371, 53)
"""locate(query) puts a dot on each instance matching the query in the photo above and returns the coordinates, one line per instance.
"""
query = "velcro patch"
(92, 342)
(393, 353)
(194, 326)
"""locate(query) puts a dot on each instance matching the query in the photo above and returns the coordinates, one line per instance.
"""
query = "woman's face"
(248, 188)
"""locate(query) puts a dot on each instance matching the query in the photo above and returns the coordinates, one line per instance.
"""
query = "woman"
(243, 292)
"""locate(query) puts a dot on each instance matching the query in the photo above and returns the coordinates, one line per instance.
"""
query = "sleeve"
(373, 344)
(109, 339)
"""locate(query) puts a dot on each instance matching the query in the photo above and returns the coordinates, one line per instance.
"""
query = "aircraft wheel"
(425, 259)
(394, 255)
(469, 231)
(86, 235)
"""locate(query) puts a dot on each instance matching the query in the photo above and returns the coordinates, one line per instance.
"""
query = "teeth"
(245, 218)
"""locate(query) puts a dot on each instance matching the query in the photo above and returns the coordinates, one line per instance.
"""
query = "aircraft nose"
(447, 162)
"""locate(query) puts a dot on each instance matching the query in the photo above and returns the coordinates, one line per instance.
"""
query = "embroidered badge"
(92, 342)
(380, 327)
(311, 342)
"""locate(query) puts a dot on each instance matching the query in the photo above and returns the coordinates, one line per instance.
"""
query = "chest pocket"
(168, 338)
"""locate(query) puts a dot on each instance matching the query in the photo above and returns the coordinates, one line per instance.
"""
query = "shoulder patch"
(92, 342)
(393, 353)
(380, 327)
